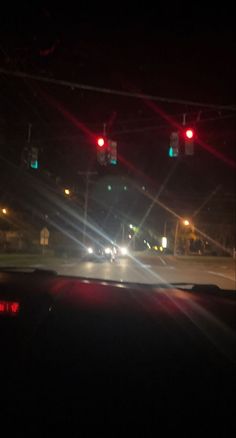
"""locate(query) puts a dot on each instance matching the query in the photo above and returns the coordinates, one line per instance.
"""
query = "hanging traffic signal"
(34, 164)
(106, 151)
(174, 145)
(112, 152)
(189, 136)
(102, 150)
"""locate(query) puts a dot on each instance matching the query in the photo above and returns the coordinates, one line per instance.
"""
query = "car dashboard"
(114, 349)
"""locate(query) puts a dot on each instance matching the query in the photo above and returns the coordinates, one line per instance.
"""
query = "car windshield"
(117, 144)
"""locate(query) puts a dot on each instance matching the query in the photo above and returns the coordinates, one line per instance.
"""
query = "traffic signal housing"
(34, 164)
(106, 151)
(112, 152)
(189, 137)
(101, 144)
(174, 145)
(29, 157)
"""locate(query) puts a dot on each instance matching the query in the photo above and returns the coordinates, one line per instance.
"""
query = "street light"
(4, 210)
(131, 226)
(164, 242)
(67, 192)
(186, 223)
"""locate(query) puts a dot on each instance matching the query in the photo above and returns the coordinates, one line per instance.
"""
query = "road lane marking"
(222, 275)
(163, 261)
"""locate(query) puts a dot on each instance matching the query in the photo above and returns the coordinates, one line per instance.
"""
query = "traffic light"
(34, 158)
(102, 150)
(174, 145)
(106, 151)
(101, 142)
(112, 152)
(189, 136)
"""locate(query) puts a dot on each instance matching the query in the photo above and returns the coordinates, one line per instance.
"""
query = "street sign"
(44, 236)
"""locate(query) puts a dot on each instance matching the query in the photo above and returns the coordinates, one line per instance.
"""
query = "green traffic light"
(173, 152)
(34, 164)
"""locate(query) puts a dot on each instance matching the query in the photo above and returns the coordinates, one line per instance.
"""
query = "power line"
(85, 87)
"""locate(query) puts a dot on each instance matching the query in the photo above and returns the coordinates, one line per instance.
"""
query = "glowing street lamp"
(4, 210)
(67, 192)
(186, 223)
(164, 242)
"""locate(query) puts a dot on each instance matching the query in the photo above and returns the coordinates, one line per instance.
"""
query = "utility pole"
(87, 176)
(165, 226)
(176, 237)
(123, 233)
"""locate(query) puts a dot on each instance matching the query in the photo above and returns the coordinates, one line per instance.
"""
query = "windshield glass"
(117, 144)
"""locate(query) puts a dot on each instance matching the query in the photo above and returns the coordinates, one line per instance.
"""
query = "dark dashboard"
(72, 348)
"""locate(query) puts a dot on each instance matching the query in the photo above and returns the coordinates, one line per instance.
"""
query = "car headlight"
(123, 251)
(107, 250)
(90, 250)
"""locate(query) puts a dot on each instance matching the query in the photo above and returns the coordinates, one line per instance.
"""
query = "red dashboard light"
(9, 308)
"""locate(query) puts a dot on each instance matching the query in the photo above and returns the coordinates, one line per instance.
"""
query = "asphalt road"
(140, 268)
(158, 269)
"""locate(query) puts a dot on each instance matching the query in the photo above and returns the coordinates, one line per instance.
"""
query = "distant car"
(101, 252)
(122, 251)
(109, 252)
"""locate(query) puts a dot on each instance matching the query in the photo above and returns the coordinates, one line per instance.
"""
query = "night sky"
(176, 51)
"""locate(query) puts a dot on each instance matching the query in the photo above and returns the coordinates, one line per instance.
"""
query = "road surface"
(140, 268)
(158, 269)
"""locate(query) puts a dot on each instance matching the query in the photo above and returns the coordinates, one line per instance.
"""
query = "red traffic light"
(189, 134)
(189, 138)
(100, 142)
